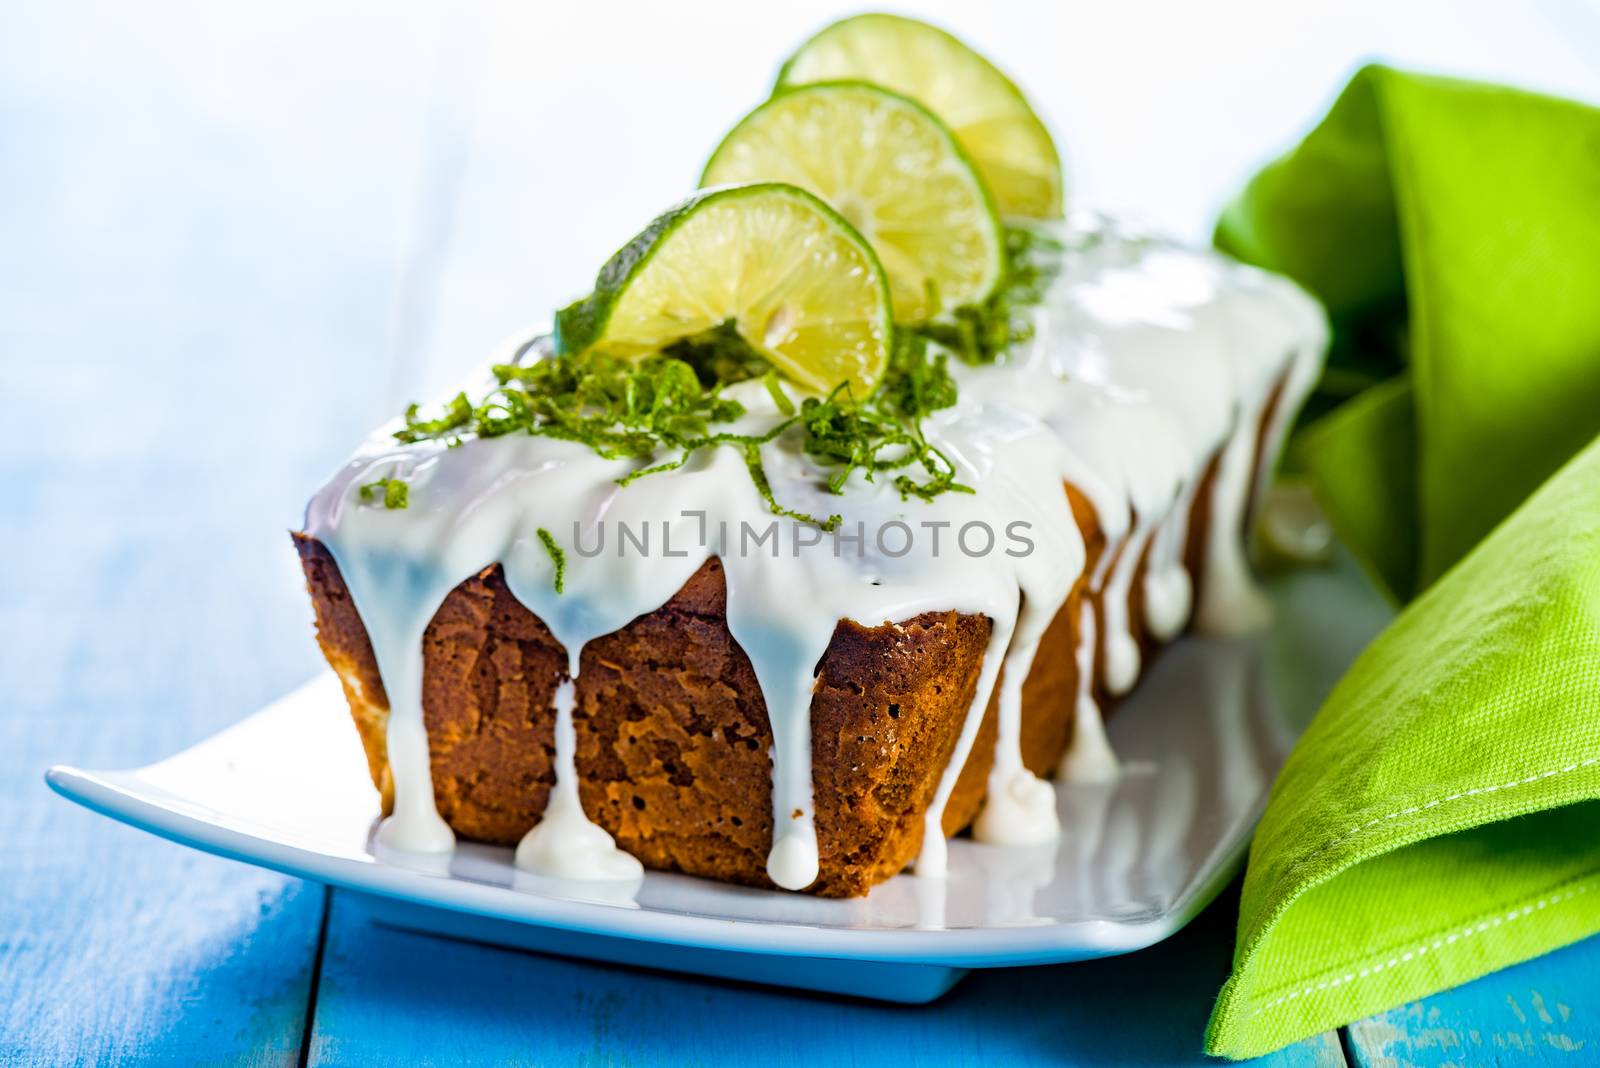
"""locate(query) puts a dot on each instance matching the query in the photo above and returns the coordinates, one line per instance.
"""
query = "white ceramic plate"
(1201, 740)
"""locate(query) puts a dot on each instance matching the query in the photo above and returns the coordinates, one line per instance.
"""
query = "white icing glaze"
(564, 844)
(1020, 808)
(1145, 361)
(1168, 587)
(1089, 757)
(933, 860)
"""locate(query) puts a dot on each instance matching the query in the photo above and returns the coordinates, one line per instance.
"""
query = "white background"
(270, 174)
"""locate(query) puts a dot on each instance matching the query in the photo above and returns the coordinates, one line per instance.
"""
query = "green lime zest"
(884, 433)
(979, 333)
(775, 391)
(393, 492)
(643, 408)
(673, 402)
(558, 556)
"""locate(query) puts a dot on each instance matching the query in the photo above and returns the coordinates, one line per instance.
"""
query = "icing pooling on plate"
(1146, 362)
(565, 844)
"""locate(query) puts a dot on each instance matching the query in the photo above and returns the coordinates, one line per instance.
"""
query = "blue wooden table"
(229, 244)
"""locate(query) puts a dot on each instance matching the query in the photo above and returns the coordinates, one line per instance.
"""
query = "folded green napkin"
(1453, 231)
(1441, 817)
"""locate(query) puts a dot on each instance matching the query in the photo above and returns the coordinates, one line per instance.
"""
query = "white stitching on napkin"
(1466, 793)
(1466, 932)
(1437, 944)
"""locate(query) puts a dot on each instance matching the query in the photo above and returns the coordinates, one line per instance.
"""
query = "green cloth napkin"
(1453, 231)
(1441, 817)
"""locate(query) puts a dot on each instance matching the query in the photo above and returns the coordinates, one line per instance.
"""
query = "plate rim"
(966, 947)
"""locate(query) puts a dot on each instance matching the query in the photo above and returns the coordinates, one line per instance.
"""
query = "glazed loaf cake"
(1163, 435)
(672, 731)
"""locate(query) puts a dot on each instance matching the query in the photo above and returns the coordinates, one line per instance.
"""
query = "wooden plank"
(194, 293)
(1544, 1011)
(384, 992)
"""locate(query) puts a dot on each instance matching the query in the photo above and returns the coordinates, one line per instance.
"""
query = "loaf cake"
(831, 523)
(817, 719)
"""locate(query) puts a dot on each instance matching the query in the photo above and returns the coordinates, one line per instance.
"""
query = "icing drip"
(1168, 590)
(784, 659)
(1230, 603)
(400, 598)
(415, 825)
(1020, 808)
(1089, 757)
(1146, 362)
(564, 843)
(1207, 340)
(933, 860)
(1121, 648)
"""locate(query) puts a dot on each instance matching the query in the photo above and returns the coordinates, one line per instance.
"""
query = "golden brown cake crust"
(672, 729)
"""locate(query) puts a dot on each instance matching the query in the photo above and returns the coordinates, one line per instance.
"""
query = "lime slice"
(800, 285)
(985, 111)
(890, 167)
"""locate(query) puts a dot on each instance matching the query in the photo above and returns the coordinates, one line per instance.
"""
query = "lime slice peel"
(803, 287)
(984, 109)
(894, 170)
